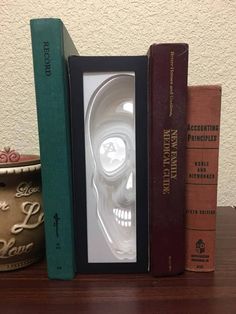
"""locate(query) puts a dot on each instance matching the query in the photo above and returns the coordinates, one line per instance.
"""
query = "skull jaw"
(118, 225)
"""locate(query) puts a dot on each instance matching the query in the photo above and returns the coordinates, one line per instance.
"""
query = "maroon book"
(168, 65)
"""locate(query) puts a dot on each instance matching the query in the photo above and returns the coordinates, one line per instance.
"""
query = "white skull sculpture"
(110, 134)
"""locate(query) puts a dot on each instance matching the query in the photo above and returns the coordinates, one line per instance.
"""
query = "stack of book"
(129, 157)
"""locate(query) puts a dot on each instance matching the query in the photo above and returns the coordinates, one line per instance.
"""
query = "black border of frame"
(77, 66)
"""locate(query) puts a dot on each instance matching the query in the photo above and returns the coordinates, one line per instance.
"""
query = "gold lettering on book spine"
(170, 159)
(171, 83)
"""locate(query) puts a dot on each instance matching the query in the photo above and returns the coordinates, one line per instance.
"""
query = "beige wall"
(113, 27)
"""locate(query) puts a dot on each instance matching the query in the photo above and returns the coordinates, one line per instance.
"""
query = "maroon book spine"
(168, 66)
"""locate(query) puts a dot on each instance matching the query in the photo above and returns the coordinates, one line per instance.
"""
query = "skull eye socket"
(112, 154)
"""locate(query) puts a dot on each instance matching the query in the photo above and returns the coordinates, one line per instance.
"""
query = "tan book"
(203, 130)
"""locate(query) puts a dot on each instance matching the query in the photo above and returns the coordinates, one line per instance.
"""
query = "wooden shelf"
(29, 290)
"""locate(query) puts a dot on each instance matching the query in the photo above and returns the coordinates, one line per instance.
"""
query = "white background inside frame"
(98, 249)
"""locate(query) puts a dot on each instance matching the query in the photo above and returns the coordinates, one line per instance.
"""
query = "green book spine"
(51, 45)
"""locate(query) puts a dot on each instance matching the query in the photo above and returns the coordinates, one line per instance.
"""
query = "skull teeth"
(123, 223)
(122, 214)
(123, 217)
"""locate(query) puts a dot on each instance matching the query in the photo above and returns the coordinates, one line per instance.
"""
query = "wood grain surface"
(29, 290)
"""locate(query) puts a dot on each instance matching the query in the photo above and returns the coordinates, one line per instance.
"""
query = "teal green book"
(51, 45)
